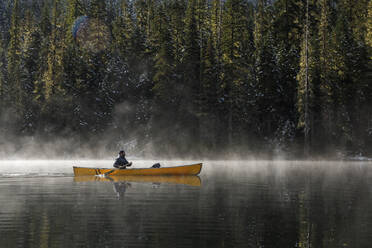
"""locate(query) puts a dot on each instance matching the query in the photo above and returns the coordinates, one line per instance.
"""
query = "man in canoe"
(121, 162)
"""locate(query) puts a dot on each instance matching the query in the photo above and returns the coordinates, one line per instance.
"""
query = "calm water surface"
(234, 204)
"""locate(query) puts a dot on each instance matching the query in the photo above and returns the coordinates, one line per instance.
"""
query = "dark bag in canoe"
(157, 165)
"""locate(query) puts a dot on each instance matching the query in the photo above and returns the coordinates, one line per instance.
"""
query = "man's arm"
(125, 162)
(118, 163)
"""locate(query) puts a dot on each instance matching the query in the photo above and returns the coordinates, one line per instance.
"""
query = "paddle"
(108, 173)
(111, 171)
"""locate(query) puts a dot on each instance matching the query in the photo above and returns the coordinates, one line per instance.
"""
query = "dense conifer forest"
(181, 77)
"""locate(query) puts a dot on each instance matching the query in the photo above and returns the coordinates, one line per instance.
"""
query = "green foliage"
(2, 79)
(75, 9)
(97, 9)
(14, 52)
(163, 77)
(229, 73)
(369, 28)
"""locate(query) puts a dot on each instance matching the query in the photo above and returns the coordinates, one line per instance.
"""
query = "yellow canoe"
(193, 169)
(187, 180)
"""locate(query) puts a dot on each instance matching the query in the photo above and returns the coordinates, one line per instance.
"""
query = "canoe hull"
(193, 169)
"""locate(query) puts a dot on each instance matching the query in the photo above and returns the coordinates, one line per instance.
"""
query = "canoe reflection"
(186, 180)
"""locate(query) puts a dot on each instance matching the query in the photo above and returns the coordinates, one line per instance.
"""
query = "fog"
(89, 79)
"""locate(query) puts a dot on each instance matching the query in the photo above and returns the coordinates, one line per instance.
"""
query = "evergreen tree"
(2, 72)
(287, 23)
(45, 28)
(325, 65)
(15, 93)
(167, 96)
(177, 12)
(235, 51)
(30, 60)
(191, 59)
(287, 45)
(75, 9)
(97, 9)
(45, 24)
(52, 77)
(191, 74)
(164, 69)
(123, 31)
(216, 26)
(209, 115)
(266, 86)
(350, 61)
(306, 85)
(309, 99)
(369, 27)
(367, 90)
(31, 37)
(227, 71)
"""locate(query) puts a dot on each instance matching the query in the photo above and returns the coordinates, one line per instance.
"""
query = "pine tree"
(31, 37)
(266, 83)
(367, 90)
(45, 28)
(52, 77)
(123, 30)
(325, 65)
(97, 9)
(191, 58)
(305, 88)
(350, 61)
(177, 12)
(202, 18)
(75, 9)
(210, 78)
(14, 69)
(324, 31)
(287, 23)
(191, 73)
(369, 27)
(287, 45)
(305, 78)
(216, 26)
(2, 78)
(163, 77)
(167, 97)
(45, 24)
(209, 98)
(71, 58)
(30, 74)
(358, 11)
(234, 41)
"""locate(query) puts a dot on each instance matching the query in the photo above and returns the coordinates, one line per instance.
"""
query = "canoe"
(193, 169)
(186, 180)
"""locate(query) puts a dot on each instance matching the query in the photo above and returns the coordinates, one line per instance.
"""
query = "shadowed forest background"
(177, 77)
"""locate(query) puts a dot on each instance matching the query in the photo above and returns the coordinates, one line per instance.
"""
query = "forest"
(187, 77)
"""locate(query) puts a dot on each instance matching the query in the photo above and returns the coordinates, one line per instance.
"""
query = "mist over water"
(238, 204)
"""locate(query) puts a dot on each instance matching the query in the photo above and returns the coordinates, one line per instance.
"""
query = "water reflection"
(122, 183)
(251, 204)
(186, 180)
(120, 188)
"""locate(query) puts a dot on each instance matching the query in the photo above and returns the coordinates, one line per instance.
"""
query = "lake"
(231, 204)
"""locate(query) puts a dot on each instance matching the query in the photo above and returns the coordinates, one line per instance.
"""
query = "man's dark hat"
(121, 151)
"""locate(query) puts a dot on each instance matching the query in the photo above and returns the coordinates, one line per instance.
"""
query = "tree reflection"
(301, 207)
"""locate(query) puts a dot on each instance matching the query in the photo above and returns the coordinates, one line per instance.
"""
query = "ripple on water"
(239, 204)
